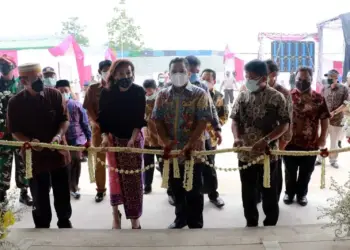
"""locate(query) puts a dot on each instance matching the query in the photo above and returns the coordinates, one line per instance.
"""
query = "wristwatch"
(267, 139)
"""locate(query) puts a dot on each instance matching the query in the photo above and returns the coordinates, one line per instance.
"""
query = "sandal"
(120, 220)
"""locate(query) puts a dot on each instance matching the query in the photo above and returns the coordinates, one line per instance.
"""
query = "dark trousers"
(228, 97)
(40, 188)
(279, 181)
(297, 184)
(188, 205)
(148, 159)
(250, 184)
(75, 171)
(210, 179)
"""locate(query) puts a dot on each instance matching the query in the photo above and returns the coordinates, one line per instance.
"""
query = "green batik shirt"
(8, 88)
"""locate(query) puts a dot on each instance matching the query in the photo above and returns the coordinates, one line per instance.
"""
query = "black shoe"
(287, 199)
(218, 202)
(147, 189)
(302, 201)
(171, 200)
(318, 163)
(175, 225)
(339, 144)
(100, 196)
(252, 224)
(25, 199)
(64, 224)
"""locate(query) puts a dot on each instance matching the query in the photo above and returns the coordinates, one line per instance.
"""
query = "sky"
(175, 24)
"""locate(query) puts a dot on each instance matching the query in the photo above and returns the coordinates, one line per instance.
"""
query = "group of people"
(186, 113)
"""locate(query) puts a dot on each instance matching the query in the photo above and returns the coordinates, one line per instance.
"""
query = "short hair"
(117, 65)
(256, 66)
(160, 74)
(193, 61)
(62, 83)
(149, 83)
(104, 63)
(210, 71)
(272, 66)
(306, 69)
(179, 60)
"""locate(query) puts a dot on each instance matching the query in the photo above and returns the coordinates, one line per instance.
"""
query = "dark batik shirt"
(39, 117)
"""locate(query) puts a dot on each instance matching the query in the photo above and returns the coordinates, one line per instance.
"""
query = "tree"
(73, 27)
(123, 33)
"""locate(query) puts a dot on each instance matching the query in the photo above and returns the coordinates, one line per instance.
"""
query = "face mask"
(50, 82)
(252, 85)
(194, 78)
(161, 80)
(179, 79)
(330, 81)
(6, 68)
(66, 96)
(104, 76)
(209, 84)
(124, 82)
(303, 86)
(151, 97)
(38, 85)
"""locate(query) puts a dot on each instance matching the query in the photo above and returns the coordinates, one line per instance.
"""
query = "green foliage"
(73, 27)
(123, 33)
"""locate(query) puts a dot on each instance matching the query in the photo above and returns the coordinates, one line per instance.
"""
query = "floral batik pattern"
(258, 114)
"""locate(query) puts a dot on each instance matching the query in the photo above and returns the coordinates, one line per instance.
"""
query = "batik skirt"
(126, 188)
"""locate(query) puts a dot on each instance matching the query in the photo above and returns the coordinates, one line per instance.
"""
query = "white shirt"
(229, 83)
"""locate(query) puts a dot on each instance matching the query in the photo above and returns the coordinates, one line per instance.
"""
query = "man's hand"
(282, 144)
(260, 146)
(332, 114)
(131, 143)
(218, 137)
(36, 148)
(104, 143)
(238, 143)
(186, 151)
(321, 142)
(56, 140)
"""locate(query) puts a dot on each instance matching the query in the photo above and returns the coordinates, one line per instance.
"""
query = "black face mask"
(5, 68)
(330, 81)
(38, 85)
(124, 82)
(303, 86)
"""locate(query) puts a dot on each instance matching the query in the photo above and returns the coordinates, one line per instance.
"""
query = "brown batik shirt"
(285, 92)
(335, 98)
(257, 114)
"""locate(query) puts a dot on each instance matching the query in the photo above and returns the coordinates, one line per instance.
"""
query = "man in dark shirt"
(8, 88)
(39, 114)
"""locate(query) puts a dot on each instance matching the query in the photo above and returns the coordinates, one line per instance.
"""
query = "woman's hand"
(104, 143)
(131, 143)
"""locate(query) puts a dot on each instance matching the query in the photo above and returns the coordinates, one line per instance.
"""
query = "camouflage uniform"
(8, 88)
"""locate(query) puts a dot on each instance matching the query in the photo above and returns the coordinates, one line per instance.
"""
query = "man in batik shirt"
(259, 118)
(181, 113)
(335, 95)
(209, 173)
(8, 88)
(309, 110)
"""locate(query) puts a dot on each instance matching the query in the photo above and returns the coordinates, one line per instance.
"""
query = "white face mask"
(104, 76)
(151, 97)
(179, 79)
(50, 82)
(252, 85)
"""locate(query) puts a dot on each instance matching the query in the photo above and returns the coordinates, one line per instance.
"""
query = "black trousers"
(148, 159)
(228, 97)
(297, 184)
(210, 179)
(40, 186)
(75, 171)
(188, 205)
(251, 180)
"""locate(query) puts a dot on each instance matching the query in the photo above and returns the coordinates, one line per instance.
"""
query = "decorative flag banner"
(67, 45)
(12, 54)
(87, 73)
(111, 54)
(239, 69)
(228, 54)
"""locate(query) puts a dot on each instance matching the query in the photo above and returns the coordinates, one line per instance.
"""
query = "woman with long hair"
(121, 118)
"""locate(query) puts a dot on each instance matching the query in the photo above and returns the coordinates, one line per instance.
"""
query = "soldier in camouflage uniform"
(8, 88)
